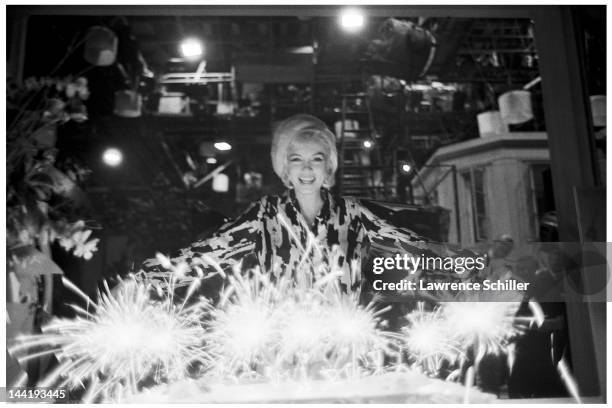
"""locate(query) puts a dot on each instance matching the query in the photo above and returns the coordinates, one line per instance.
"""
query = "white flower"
(87, 249)
(78, 241)
(80, 237)
(66, 243)
(82, 247)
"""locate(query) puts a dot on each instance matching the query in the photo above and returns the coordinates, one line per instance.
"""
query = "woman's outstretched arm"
(218, 254)
(389, 240)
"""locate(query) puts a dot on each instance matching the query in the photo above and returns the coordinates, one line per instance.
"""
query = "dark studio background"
(144, 206)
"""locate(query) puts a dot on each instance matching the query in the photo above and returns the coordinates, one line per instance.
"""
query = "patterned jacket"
(274, 231)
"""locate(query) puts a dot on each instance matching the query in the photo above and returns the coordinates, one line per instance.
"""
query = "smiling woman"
(306, 170)
(307, 167)
(307, 173)
(306, 231)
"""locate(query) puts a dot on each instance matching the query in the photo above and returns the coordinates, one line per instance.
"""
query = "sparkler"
(429, 340)
(241, 330)
(356, 335)
(485, 326)
(303, 333)
(562, 366)
(286, 329)
(470, 322)
(483, 322)
(125, 339)
(469, 383)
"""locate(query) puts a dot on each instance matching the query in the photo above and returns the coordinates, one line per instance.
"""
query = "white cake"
(401, 387)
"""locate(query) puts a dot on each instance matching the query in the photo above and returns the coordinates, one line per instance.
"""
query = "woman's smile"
(307, 167)
(306, 180)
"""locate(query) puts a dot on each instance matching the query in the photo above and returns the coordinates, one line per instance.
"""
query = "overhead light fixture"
(223, 146)
(367, 144)
(406, 168)
(211, 160)
(191, 48)
(352, 20)
(112, 157)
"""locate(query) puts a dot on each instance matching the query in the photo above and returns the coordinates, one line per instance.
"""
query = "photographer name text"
(486, 285)
(451, 264)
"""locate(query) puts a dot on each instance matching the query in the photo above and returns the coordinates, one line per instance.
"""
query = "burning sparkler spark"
(562, 367)
(486, 326)
(358, 341)
(429, 341)
(124, 340)
(242, 327)
(303, 328)
(290, 329)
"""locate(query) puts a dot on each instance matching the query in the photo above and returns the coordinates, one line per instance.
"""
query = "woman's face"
(307, 166)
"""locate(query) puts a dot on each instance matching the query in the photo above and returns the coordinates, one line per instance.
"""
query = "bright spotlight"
(211, 160)
(191, 48)
(352, 20)
(367, 144)
(406, 168)
(112, 157)
(223, 146)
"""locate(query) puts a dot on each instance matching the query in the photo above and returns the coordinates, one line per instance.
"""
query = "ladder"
(360, 164)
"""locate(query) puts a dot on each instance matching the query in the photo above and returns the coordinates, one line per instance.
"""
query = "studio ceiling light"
(112, 157)
(352, 20)
(223, 146)
(191, 48)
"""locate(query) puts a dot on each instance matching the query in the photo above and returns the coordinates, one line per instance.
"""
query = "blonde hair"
(303, 127)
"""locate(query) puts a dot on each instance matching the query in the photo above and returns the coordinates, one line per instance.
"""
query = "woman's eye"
(295, 159)
(318, 159)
